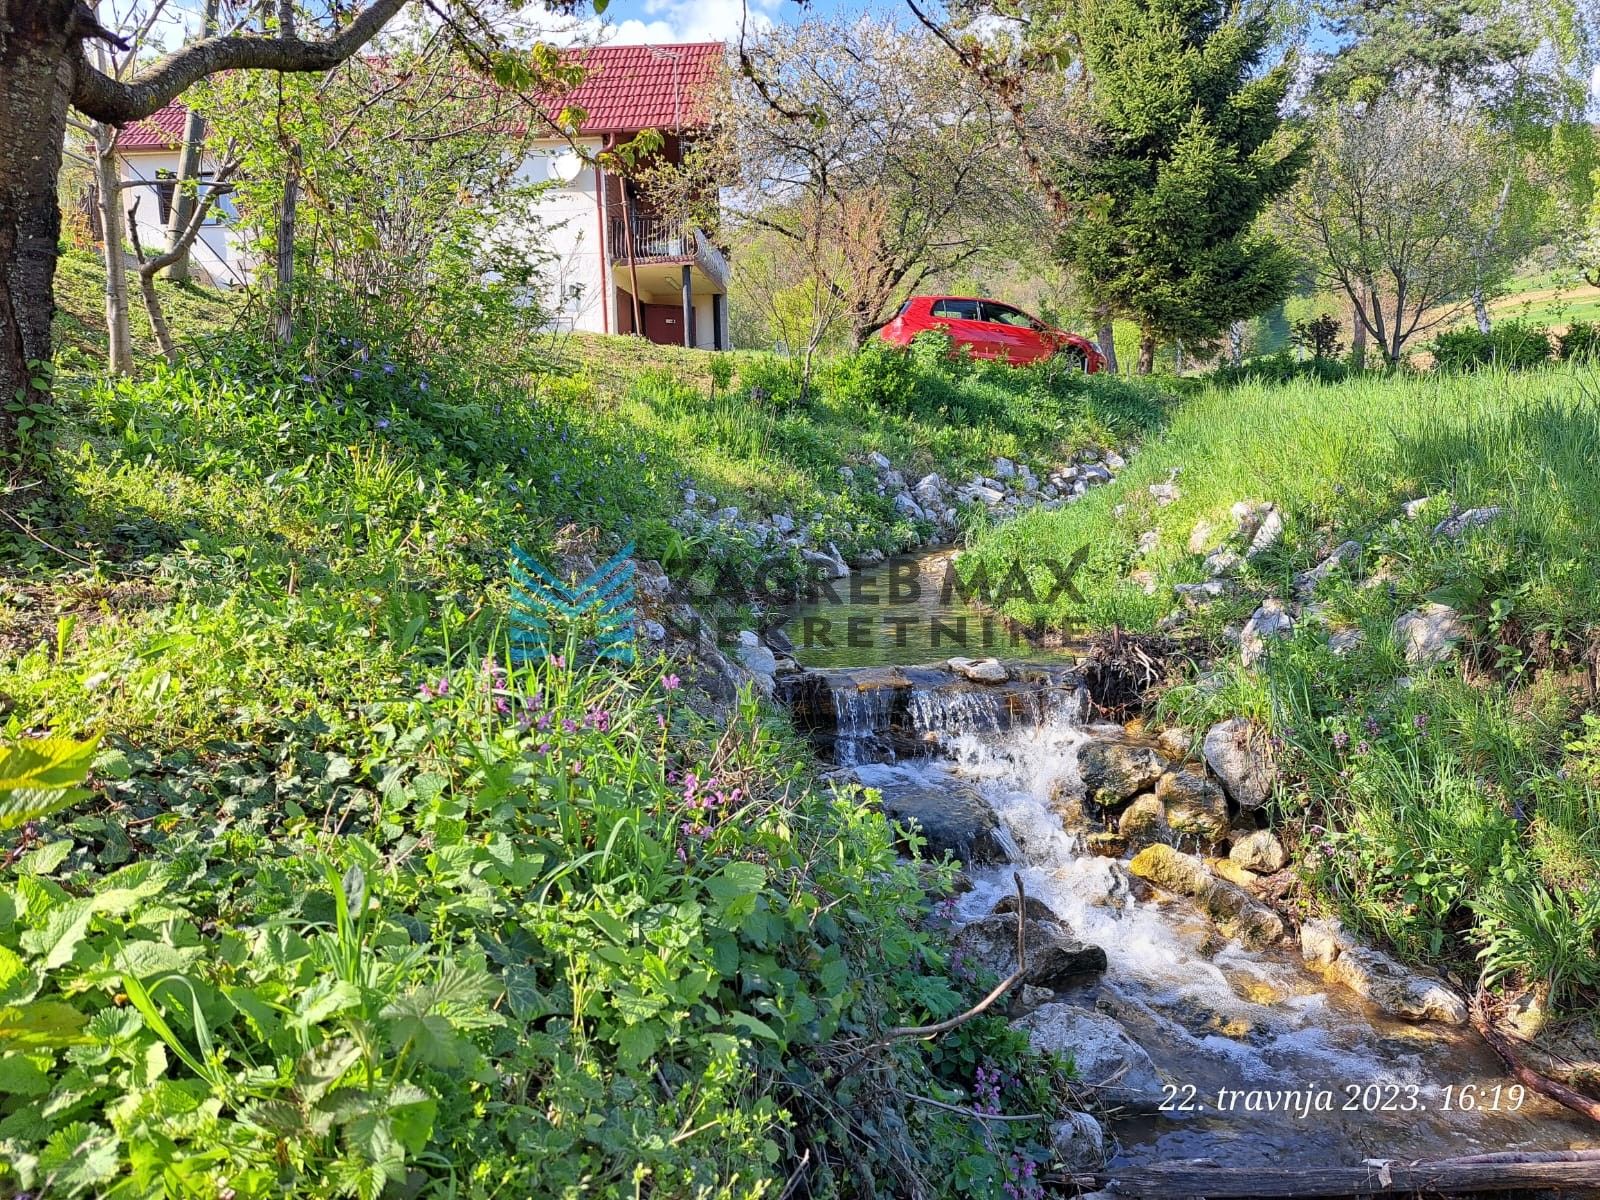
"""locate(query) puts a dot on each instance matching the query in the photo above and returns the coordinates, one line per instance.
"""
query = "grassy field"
(1451, 809)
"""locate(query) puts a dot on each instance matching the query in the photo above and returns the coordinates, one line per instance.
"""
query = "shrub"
(877, 375)
(771, 382)
(1581, 342)
(1282, 367)
(1511, 345)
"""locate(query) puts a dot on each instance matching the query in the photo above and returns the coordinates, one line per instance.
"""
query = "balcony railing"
(653, 237)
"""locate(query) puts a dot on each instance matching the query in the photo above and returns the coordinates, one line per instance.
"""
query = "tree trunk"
(186, 194)
(1147, 353)
(34, 90)
(1358, 338)
(114, 235)
(1236, 333)
(283, 315)
(1107, 338)
(1480, 309)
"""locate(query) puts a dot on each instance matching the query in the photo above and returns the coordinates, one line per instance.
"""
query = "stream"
(1232, 1031)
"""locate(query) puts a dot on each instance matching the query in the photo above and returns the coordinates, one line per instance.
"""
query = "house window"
(166, 189)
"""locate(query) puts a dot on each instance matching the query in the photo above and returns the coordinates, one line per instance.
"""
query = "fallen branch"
(972, 1112)
(1559, 1169)
(1577, 1101)
(1000, 989)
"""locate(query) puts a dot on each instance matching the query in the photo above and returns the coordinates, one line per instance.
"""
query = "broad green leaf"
(40, 1023)
(41, 777)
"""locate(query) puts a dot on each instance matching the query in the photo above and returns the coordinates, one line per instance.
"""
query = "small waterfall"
(862, 718)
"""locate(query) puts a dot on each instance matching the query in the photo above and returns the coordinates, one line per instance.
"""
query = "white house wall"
(216, 252)
(565, 222)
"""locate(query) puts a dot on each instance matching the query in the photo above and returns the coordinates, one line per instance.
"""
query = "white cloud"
(693, 21)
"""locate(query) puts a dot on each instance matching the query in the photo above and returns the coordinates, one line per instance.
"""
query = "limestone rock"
(1144, 823)
(953, 819)
(1222, 562)
(1231, 872)
(1055, 957)
(1409, 995)
(1077, 1143)
(1306, 582)
(1268, 533)
(1242, 759)
(1114, 771)
(1193, 804)
(1165, 493)
(1101, 1050)
(979, 670)
(908, 507)
(1429, 634)
(1343, 641)
(1472, 518)
(1260, 851)
(1269, 622)
(1196, 595)
(1234, 910)
(879, 461)
(1200, 536)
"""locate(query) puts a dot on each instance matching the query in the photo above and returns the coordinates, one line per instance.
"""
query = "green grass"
(1439, 807)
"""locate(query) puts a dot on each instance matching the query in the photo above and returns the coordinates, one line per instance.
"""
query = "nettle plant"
(551, 932)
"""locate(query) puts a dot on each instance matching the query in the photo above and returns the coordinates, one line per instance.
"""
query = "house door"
(663, 324)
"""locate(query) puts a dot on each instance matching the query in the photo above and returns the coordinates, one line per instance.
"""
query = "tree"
(1183, 155)
(1388, 211)
(44, 68)
(847, 116)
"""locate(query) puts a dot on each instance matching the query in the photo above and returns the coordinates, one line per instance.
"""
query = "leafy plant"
(42, 777)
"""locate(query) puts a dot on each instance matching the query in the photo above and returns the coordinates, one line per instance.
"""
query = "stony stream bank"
(1204, 1020)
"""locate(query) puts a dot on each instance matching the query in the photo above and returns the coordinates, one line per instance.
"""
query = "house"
(620, 266)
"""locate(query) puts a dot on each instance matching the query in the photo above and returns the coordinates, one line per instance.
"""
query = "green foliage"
(546, 927)
(1580, 342)
(1184, 155)
(1282, 367)
(1318, 336)
(41, 777)
(876, 376)
(351, 911)
(1511, 345)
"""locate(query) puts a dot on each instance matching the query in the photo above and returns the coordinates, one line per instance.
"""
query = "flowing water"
(1233, 1031)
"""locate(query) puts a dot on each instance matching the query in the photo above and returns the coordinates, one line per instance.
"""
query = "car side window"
(1006, 315)
(955, 310)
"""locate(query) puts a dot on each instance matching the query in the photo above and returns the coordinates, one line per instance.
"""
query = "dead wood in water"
(1560, 1092)
(1561, 1169)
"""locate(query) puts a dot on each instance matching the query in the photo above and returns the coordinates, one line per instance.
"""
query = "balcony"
(660, 240)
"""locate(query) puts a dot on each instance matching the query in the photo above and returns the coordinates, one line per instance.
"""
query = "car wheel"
(1069, 360)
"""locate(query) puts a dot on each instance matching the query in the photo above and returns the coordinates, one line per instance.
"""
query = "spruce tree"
(1184, 155)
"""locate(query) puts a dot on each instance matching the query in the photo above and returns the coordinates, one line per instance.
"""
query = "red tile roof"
(628, 88)
(161, 130)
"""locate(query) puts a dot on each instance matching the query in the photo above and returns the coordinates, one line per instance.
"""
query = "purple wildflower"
(670, 683)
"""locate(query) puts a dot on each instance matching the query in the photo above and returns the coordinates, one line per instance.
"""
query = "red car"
(990, 329)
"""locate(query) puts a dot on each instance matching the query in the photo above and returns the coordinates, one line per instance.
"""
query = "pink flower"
(424, 692)
(670, 683)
